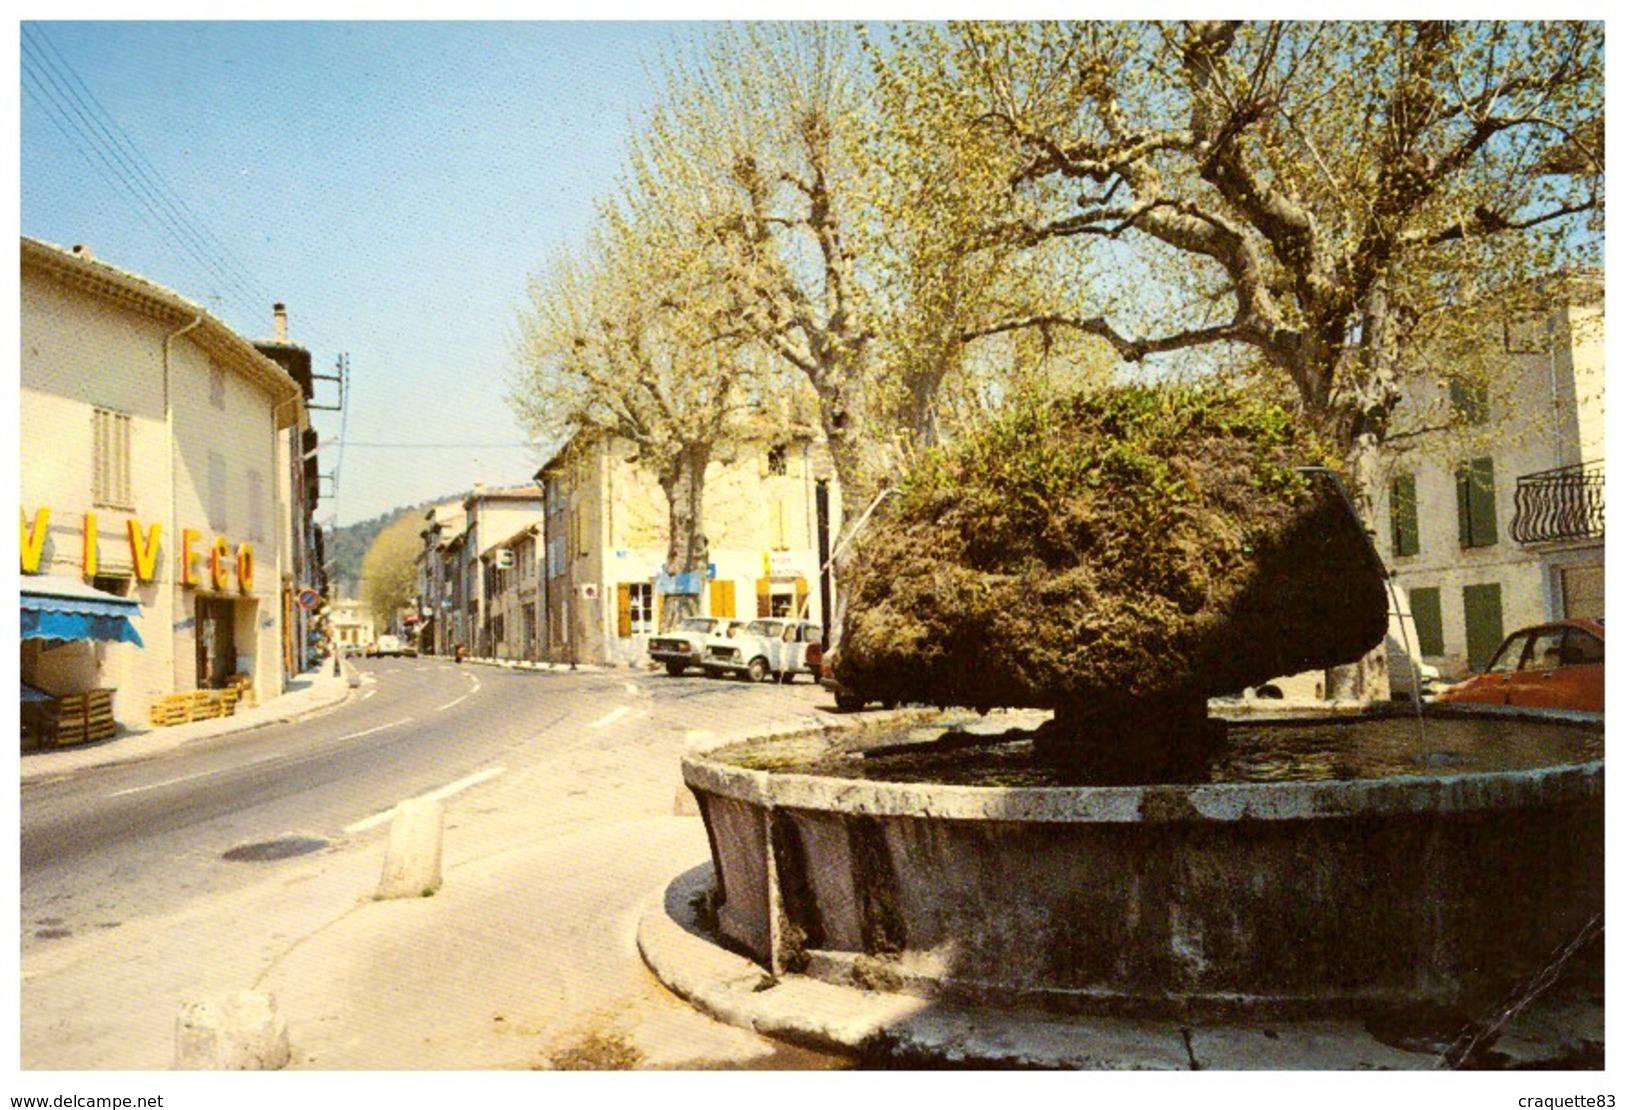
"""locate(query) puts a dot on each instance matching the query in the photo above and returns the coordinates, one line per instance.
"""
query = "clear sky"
(394, 183)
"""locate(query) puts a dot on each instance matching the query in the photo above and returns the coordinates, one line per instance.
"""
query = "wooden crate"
(82, 718)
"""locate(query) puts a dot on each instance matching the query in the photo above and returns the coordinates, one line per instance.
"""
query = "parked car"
(1550, 666)
(390, 645)
(845, 700)
(769, 647)
(684, 646)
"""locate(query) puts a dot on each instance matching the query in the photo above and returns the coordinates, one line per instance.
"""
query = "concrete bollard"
(241, 1031)
(412, 860)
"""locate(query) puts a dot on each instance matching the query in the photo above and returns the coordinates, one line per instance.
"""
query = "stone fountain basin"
(1270, 900)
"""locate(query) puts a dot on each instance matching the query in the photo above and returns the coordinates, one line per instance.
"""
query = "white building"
(1497, 522)
(160, 465)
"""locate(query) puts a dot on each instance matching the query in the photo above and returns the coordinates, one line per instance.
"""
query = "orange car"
(1549, 666)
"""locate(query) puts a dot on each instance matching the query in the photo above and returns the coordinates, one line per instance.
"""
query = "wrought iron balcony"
(1562, 504)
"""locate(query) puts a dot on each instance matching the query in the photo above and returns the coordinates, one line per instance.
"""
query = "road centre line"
(432, 796)
(370, 731)
(452, 702)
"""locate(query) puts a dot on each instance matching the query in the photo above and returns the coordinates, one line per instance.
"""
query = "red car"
(1549, 666)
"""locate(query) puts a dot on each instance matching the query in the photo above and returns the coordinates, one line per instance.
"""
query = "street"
(222, 864)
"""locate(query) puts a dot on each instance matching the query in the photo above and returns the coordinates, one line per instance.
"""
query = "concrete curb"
(898, 1030)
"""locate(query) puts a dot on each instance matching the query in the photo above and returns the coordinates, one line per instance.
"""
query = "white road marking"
(452, 702)
(611, 717)
(368, 694)
(167, 782)
(633, 689)
(433, 796)
(375, 728)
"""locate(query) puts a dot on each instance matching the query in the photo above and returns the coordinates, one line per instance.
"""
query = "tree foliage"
(1320, 196)
(389, 569)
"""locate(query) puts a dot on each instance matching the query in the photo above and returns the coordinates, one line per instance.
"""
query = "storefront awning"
(58, 608)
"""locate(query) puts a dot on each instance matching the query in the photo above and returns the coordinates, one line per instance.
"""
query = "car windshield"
(764, 628)
(697, 624)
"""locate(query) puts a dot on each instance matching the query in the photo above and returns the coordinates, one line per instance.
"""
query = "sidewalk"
(311, 692)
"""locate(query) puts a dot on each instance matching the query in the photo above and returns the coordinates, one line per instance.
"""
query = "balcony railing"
(1562, 504)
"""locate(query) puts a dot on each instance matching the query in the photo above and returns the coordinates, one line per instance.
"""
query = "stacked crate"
(82, 718)
(198, 705)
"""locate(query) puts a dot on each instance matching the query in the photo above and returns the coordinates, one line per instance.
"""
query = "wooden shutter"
(1429, 619)
(764, 597)
(623, 610)
(1475, 502)
(801, 599)
(722, 598)
(1481, 607)
(1402, 510)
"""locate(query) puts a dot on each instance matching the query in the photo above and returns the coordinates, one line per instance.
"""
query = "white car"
(769, 647)
(684, 646)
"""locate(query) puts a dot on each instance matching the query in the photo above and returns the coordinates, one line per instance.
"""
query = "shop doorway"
(216, 642)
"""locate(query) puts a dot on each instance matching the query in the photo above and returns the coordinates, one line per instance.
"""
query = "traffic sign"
(309, 598)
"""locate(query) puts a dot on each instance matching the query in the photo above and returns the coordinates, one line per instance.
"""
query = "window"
(778, 457)
(1475, 502)
(1527, 334)
(1581, 648)
(111, 459)
(217, 491)
(1481, 610)
(1510, 657)
(256, 506)
(217, 386)
(1402, 514)
(635, 608)
(1469, 402)
(1429, 619)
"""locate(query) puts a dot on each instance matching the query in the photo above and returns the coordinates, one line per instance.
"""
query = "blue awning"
(57, 608)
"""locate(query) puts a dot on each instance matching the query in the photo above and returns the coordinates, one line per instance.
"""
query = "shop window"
(1475, 502)
(111, 459)
(1402, 515)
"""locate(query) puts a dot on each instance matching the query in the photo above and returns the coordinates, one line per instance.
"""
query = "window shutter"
(1483, 501)
(764, 597)
(1481, 608)
(722, 598)
(801, 599)
(1429, 619)
(1402, 510)
(623, 610)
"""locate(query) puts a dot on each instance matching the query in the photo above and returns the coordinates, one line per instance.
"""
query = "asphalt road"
(120, 862)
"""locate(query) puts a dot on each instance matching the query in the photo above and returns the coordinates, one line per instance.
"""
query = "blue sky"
(395, 184)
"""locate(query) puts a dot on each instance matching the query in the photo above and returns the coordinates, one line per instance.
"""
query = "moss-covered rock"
(1113, 556)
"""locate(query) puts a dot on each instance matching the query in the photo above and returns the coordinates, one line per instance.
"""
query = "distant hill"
(346, 545)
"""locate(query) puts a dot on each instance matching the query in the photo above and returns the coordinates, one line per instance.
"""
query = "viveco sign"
(218, 565)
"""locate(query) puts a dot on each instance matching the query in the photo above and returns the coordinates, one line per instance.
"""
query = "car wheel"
(758, 670)
(674, 669)
(713, 672)
(848, 703)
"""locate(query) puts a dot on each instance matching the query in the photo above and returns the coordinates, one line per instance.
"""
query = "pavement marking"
(452, 702)
(368, 694)
(169, 782)
(432, 796)
(370, 731)
(611, 717)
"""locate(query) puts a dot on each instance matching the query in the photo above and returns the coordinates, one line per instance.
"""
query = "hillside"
(346, 545)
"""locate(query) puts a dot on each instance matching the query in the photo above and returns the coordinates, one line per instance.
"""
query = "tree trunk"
(687, 550)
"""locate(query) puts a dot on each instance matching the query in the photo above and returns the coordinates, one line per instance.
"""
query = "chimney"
(82, 251)
(279, 313)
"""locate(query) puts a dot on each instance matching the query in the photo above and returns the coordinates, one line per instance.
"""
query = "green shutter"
(1402, 510)
(1481, 606)
(1429, 619)
(1469, 402)
(1475, 503)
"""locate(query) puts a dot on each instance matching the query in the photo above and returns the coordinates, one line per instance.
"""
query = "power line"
(54, 86)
